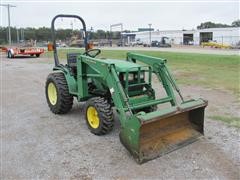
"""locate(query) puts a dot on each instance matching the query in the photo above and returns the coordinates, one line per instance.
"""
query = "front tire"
(99, 116)
(58, 98)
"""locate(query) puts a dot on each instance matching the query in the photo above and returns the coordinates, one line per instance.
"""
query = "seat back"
(72, 59)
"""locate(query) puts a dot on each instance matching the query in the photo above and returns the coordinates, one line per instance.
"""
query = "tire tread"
(65, 100)
(105, 114)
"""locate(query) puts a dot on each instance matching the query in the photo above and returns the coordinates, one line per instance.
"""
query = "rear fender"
(71, 81)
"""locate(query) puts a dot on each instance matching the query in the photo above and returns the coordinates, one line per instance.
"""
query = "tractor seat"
(72, 59)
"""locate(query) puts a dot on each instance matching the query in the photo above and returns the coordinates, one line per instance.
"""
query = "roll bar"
(56, 60)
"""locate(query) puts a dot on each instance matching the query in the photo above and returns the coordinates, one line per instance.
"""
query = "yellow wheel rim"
(52, 93)
(92, 117)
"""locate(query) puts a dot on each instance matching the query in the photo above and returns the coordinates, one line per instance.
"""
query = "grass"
(232, 121)
(207, 70)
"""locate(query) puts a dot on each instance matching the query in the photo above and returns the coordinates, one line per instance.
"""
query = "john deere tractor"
(147, 130)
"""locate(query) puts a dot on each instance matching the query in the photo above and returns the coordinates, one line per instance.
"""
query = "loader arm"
(169, 129)
(159, 67)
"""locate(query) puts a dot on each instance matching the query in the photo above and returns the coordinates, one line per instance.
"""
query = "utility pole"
(150, 38)
(116, 25)
(22, 34)
(9, 24)
(17, 35)
(71, 25)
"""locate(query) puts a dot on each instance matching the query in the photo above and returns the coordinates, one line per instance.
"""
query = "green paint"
(121, 81)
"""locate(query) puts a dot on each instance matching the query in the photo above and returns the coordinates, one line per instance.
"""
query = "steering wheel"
(92, 52)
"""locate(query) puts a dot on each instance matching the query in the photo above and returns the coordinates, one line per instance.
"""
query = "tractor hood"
(123, 66)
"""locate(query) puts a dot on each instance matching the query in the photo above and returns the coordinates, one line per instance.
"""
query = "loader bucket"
(153, 134)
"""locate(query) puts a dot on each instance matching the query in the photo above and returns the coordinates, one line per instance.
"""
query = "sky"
(167, 15)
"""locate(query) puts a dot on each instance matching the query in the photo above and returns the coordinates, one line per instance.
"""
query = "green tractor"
(147, 130)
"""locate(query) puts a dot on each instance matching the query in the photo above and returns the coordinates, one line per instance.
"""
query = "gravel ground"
(38, 144)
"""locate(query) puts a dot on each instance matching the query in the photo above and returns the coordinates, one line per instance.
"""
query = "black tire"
(37, 55)
(64, 100)
(105, 115)
(9, 54)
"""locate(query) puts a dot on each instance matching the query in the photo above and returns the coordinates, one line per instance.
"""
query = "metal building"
(230, 36)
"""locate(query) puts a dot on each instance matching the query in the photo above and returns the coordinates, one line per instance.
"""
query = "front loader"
(148, 130)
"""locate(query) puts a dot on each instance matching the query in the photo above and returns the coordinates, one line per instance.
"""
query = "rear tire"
(99, 116)
(10, 55)
(37, 55)
(57, 93)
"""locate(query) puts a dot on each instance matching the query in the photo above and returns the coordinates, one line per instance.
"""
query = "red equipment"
(12, 52)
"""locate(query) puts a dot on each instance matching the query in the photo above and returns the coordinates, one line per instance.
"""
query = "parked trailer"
(13, 52)
(3, 49)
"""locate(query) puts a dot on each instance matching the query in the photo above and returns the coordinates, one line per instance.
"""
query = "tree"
(101, 34)
(236, 23)
(3, 35)
(29, 33)
(44, 34)
(210, 24)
